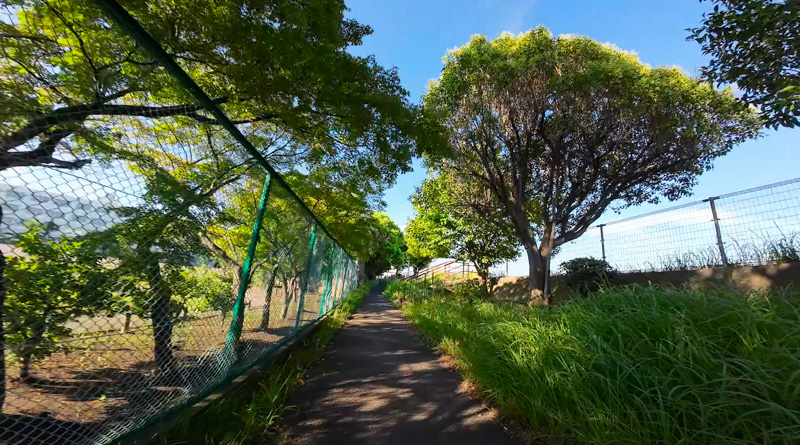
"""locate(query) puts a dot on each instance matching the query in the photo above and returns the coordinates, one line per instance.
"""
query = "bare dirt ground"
(106, 382)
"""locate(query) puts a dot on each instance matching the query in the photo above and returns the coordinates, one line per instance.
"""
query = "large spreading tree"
(755, 44)
(558, 129)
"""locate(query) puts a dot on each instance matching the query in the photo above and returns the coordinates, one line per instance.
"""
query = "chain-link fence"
(751, 227)
(151, 250)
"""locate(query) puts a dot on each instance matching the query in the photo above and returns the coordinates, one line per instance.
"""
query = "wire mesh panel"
(751, 227)
(761, 225)
(149, 255)
(315, 283)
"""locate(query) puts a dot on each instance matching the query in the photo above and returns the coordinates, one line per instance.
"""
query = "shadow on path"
(379, 383)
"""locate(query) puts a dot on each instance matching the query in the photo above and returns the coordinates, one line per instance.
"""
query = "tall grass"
(631, 365)
(253, 419)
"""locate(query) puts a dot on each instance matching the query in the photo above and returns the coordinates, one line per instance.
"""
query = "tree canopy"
(755, 44)
(456, 219)
(386, 252)
(557, 129)
(281, 70)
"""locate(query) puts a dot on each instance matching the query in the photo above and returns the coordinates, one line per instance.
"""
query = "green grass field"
(630, 365)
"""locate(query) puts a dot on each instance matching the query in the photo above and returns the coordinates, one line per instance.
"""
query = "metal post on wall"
(602, 241)
(720, 245)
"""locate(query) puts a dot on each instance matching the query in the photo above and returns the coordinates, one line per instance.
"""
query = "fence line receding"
(746, 228)
(152, 251)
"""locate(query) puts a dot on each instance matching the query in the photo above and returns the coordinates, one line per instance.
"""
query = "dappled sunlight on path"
(380, 384)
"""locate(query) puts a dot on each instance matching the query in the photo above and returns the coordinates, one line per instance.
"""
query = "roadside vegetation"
(253, 418)
(627, 365)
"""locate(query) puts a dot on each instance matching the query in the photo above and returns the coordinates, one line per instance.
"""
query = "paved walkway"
(379, 383)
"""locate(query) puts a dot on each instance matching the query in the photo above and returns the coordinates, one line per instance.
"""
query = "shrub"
(587, 274)
(400, 291)
(469, 290)
(54, 281)
(201, 289)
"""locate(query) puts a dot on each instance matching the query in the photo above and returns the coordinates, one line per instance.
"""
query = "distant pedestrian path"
(379, 383)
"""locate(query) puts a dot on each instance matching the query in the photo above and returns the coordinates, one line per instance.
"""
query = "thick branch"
(67, 116)
(42, 155)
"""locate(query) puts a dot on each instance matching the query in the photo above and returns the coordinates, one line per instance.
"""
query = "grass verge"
(630, 365)
(253, 419)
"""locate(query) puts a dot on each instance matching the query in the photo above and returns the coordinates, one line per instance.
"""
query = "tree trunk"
(2, 330)
(26, 360)
(127, 327)
(25, 367)
(536, 273)
(235, 282)
(536, 270)
(287, 297)
(268, 300)
(483, 274)
(161, 318)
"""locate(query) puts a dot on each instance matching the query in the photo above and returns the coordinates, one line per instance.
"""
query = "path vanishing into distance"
(378, 383)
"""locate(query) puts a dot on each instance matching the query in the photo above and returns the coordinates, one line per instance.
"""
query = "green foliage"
(634, 365)
(341, 119)
(63, 65)
(52, 282)
(400, 291)
(386, 253)
(469, 290)
(345, 208)
(556, 129)
(785, 249)
(448, 224)
(237, 420)
(587, 274)
(755, 44)
(201, 289)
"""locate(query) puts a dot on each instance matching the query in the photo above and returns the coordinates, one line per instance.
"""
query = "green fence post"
(237, 322)
(327, 283)
(308, 274)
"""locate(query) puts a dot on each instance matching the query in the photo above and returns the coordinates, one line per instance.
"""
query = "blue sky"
(414, 35)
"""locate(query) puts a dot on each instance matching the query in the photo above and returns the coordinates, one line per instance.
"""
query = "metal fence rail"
(447, 272)
(150, 255)
(750, 227)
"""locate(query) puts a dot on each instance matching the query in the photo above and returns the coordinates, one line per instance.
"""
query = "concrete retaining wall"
(747, 278)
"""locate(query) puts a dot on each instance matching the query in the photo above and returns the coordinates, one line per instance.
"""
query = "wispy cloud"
(518, 12)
